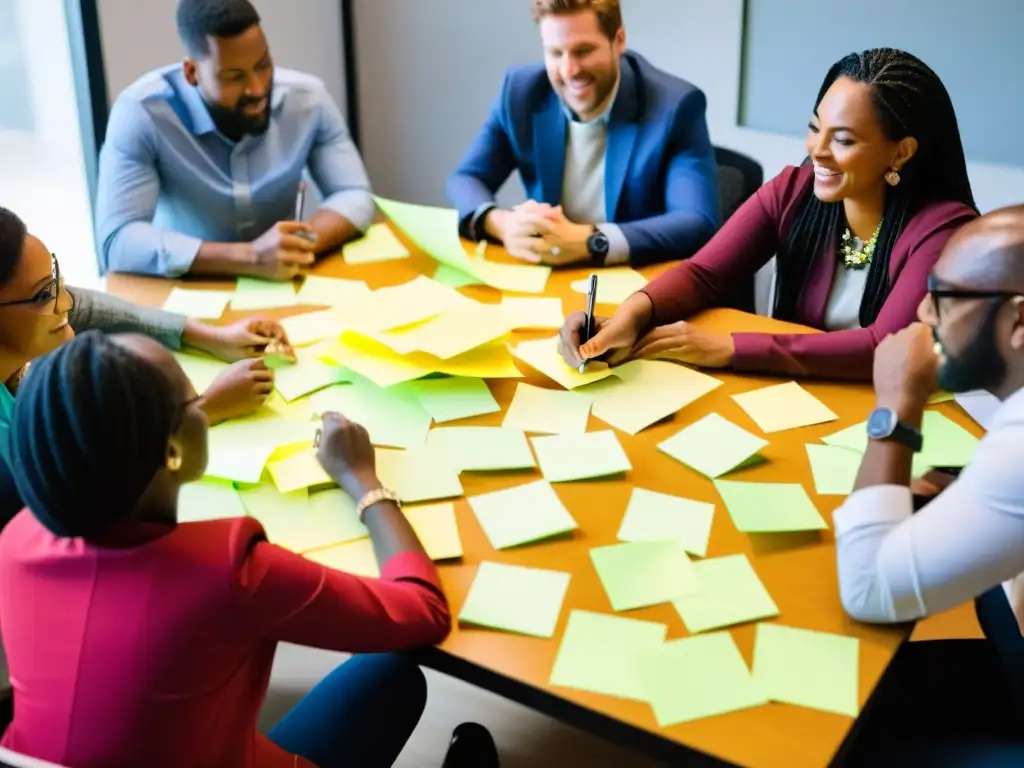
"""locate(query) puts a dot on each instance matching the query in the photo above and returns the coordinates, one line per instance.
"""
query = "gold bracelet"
(376, 496)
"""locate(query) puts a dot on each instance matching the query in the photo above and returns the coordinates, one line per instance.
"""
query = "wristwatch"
(598, 247)
(885, 424)
(375, 497)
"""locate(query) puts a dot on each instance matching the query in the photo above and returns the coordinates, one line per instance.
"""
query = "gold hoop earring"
(893, 177)
(173, 463)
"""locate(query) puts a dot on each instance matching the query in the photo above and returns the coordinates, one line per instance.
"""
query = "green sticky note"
(770, 507)
(806, 668)
(417, 475)
(521, 515)
(644, 573)
(730, 593)
(599, 653)
(515, 599)
(855, 438)
(377, 244)
(946, 443)
(454, 278)
(393, 417)
(199, 369)
(208, 499)
(202, 305)
(303, 522)
(434, 230)
(452, 398)
(652, 516)
(306, 376)
(330, 292)
(242, 465)
(252, 293)
(834, 468)
(697, 677)
(714, 446)
(563, 458)
(547, 411)
(482, 449)
(263, 428)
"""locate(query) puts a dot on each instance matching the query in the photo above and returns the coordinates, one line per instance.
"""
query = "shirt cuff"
(476, 218)
(618, 245)
(411, 565)
(356, 205)
(886, 505)
(178, 253)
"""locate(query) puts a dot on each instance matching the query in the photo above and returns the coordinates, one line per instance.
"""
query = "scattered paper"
(399, 305)
(730, 593)
(459, 329)
(652, 516)
(783, 406)
(542, 355)
(311, 327)
(320, 291)
(697, 677)
(634, 407)
(806, 668)
(644, 573)
(599, 653)
(714, 446)
(834, 468)
(393, 417)
(534, 313)
(307, 376)
(437, 529)
(980, 406)
(253, 293)
(202, 305)
(453, 398)
(547, 411)
(241, 465)
(563, 458)
(770, 507)
(521, 515)
(355, 557)
(614, 285)
(378, 243)
(208, 499)
(482, 449)
(200, 369)
(417, 475)
(515, 599)
(299, 471)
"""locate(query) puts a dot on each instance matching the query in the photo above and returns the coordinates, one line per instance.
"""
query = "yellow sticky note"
(417, 475)
(783, 406)
(459, 329)
(491, 361)
(534, 312)
(311, 327)
(371, 359)
(661, 373)
(200, 369)
(253, 293)
(519, 278)
(355, 557)
(542, 355)
(203, 305)
(633, 407)
(242, 465)
(331, 291)
(301, 521)
(302, 470)
(547, 411)
(482, 449)
(399, 305)
(614, 285)
(436, 529)
(377, 244)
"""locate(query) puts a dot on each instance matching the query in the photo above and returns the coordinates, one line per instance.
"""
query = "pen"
(300, 205)
(588, 323)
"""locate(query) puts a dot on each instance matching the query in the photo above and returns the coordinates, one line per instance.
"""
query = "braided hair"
(88, 433)
(910, 100)
(12, 243)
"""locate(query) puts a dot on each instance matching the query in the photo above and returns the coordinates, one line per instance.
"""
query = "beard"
(235, 123)
(978, 365)
(603, 87)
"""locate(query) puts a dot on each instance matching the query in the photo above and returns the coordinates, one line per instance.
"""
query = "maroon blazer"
(755, 233)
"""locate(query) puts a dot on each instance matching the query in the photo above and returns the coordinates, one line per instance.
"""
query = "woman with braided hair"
(136, 640)
(855, 231)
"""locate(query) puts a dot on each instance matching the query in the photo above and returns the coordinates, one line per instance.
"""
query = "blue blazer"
(661, 181)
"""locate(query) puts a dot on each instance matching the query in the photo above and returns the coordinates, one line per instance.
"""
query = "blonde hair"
(608, 12)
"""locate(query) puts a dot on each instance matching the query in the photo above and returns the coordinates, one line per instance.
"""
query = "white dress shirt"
(895, 565)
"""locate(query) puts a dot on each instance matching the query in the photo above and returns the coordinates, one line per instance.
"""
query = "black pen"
(588, 321)
(300, 206)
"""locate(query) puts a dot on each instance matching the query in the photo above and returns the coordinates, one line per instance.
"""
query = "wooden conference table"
(799, 570)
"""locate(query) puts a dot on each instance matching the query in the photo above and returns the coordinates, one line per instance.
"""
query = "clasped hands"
(541, 234)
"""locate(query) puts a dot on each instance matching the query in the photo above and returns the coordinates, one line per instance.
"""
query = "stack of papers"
(377, 244)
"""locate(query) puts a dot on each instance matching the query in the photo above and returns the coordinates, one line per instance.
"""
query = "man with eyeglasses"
(967, 542)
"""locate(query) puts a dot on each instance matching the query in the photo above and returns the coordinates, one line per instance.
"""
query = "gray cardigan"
(94, 310)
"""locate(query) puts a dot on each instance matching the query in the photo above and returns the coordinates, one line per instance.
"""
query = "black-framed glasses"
(46, 296)
(937, 291)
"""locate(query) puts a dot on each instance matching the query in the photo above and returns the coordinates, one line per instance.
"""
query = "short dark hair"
(12, 243)
(608, 12)
(199, 20)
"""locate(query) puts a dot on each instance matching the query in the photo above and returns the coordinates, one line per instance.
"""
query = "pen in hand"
(587, 331)
(300, 206)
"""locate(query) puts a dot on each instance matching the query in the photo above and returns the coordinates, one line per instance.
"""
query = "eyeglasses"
(936, 291)
(46, 297)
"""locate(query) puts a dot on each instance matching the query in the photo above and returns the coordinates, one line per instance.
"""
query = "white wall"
(139, 35)
(429, 70)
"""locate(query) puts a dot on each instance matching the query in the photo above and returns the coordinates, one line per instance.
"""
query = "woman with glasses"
(38, 314)
(854, 232)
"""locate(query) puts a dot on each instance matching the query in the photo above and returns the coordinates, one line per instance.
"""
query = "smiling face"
(848, 145)
(38, 322)
(236, 80)
(582, 63)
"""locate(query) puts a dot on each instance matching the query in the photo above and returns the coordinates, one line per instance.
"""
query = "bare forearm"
(889, 462)
(331, 229)
(389, 529)
(224, 259)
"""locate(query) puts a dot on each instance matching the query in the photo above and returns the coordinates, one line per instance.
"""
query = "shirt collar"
(605, 114)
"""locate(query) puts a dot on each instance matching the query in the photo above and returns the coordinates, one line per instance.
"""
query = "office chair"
(739, 177)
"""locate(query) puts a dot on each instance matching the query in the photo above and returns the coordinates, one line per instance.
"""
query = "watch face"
(881, 423)
(597, 244)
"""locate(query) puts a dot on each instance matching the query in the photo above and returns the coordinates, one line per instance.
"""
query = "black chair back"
(739, 176)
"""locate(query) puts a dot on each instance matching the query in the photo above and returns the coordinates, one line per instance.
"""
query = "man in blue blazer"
(614, 154)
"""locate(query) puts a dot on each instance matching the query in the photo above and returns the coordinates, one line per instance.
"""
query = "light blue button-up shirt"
(169, 180)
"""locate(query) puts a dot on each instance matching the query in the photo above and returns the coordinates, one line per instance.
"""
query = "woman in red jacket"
(855, 232)
(135, 640)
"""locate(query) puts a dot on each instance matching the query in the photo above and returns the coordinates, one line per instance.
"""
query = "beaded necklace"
(856, 253)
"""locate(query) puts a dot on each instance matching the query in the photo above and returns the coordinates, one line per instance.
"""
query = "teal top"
(6, 411)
